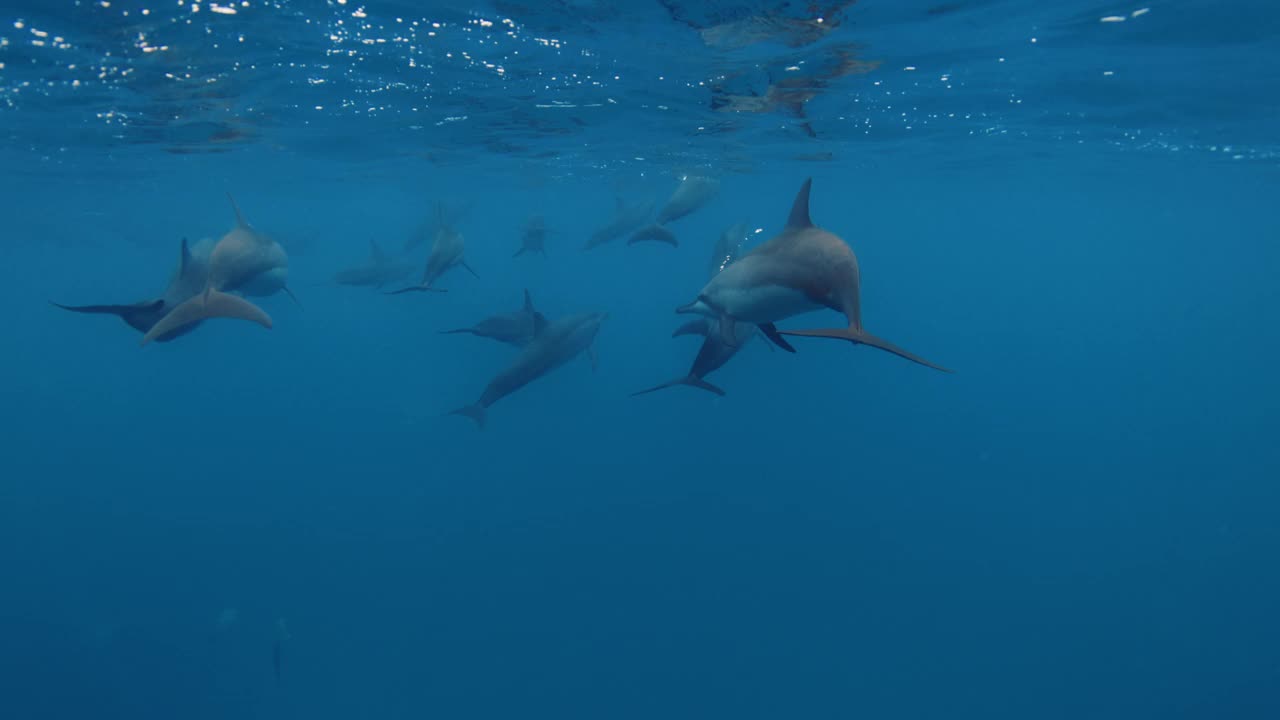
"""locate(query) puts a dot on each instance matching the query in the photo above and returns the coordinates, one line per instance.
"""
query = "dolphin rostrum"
(188, 279)
(554, 344)
(243, 261)
(626, 219)
(801, 269)
(691, 194)
(377, 271)
(715, 350)
(534, 237)
(513, 328)
(446, 253)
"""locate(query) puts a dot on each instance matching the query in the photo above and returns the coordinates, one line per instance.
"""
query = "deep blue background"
(1080, 522)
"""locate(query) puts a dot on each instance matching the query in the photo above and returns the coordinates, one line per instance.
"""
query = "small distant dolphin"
(375, 272)
(187, 280)
(446, 253)
(244, 261)
(554, 344)
(803, 268)
(534, 237)
(691, 194)
(715, 351)
(513, 328)
(626, 219)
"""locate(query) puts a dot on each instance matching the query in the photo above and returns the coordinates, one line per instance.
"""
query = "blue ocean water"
(1070, 204)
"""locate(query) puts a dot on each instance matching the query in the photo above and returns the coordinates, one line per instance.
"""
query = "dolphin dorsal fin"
(799, 217)
(539, 323)
(184, 258)
(528, 302)
(236, 208)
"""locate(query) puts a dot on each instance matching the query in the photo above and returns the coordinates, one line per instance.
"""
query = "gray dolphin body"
(513, 328)
(626, 219)
(243, 261)
(188, 278)
(690, 195)
(533, 238)
(554, 344)
(375, 272)
(715, 351)
(446, 253)
(803, 268)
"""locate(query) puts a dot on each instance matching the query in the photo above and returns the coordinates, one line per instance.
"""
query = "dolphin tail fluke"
(475, 412)
(859, 337)
(209, 304)
(689, 380)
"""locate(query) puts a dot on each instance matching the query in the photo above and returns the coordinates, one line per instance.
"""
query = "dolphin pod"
(243, 261)
(803, 268)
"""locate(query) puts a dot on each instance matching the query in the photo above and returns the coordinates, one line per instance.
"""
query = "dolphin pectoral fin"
(519, 252)
(767, 343)
(209, 304)
(728, 333)
(415, 288)
(464, 264)
(292, 297)
(771, 332)
(475, 412)
(689, 380)
(859, 337)
(121, 310)
(701, 326)
(593, 357)
(457, 331)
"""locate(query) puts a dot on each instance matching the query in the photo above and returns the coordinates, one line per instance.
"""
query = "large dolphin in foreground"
(803, 268)
(243, 261)
(626, 219)
(513, 328)
(377, 271)
(715, 350)
(446, 253)
(188, 279)
(554, 344)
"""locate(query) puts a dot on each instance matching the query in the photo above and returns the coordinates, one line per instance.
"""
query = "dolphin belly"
(265, 284)
(763, 303)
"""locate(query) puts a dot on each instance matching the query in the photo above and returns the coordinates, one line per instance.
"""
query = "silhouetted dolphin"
(692, 193)
(554, 344)
(188, 279)
(626, 218)
(801, 269)
(446, 253)
(513, 328)
(534, 237)
(245, 261)
(375, 272)
(715, 351)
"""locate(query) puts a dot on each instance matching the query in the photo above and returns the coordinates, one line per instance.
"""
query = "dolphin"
(714, 351)
(691, 194)
(554, 344)
(801, 269)
(653, 233)
(626, 219)
(534, 237)
(446, 254)
(243, 261)
(188, 278)
(375, 272)
(513, 328)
